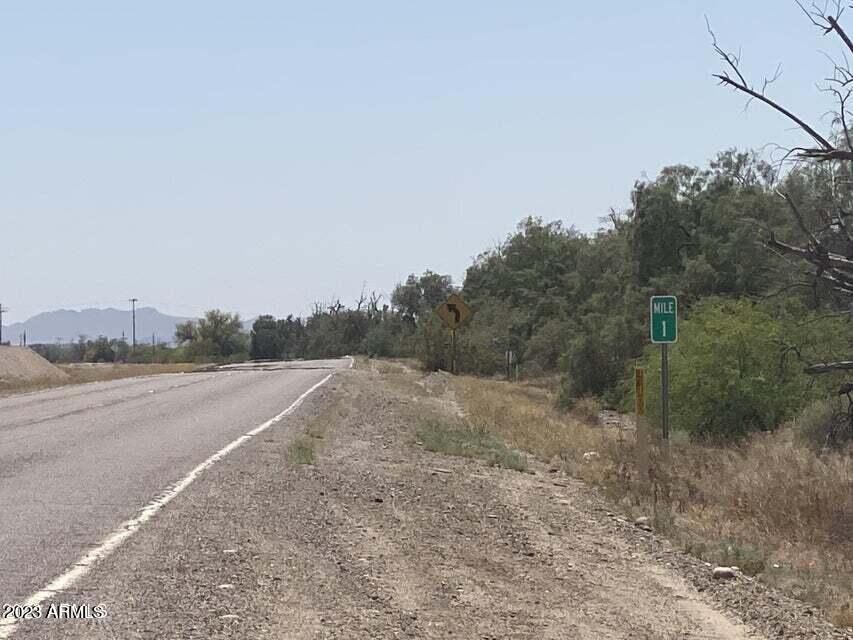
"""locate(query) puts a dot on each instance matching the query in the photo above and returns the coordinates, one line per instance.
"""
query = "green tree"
(419, 295)
(266, 340)
(99, 350)
(292, 334)
(186, 331)
(406, 298)
(216, 335)
(121, 349)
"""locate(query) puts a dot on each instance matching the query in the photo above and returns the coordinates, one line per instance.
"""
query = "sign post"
(453, 351)
(639, 392)
(641, 429)
(663, 327)
(453, 313)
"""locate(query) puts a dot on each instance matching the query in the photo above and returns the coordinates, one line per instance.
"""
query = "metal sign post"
(453, 351)
(641, 428)
(639, 391)
(453, 313)
(663, 327)
(664, 390)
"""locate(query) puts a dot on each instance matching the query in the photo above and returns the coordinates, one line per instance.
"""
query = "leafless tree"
(373, 311)
(361, 298)
(828, 246)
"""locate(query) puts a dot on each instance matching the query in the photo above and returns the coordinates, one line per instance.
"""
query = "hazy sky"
(257, 156)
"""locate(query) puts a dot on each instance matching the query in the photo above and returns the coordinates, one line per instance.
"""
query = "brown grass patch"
(305, 448)
(771, 506)
(525, 418)
(82, 373)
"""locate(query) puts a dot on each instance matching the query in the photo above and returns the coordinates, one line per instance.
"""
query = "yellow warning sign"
(453, 311)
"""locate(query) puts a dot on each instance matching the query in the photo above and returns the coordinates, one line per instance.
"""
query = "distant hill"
(68, 325)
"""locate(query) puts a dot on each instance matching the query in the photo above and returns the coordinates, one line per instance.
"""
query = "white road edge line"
(127, 529)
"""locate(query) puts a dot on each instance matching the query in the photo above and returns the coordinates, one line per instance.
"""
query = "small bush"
(431, 350)
(594, 360)
(301, 450)
(728, 552)
(379, 342)
(545, 346)
(824, 424)
(586, 409)
(462, 440)
(727, 373)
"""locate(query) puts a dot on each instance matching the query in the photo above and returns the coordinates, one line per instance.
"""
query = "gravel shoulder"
(381, 539)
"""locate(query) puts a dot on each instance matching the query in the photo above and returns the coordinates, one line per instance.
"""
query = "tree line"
(575, 306)
(760, 255)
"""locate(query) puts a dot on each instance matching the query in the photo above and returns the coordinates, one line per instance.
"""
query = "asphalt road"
(77, 462)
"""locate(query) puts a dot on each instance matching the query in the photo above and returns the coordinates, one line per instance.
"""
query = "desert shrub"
(586, 409)
(727, 373)
(546, 345)
(100, 350)
(824, 424)
(466, 441)
(430, 344)
(595, 358)
(781, 487)
(265, 339)
(379, 342)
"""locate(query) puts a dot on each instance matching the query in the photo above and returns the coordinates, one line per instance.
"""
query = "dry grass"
(100, 372)
(524, 418)
(771, 506)
(461, 440)
(306, 447)
(587, 410)
(301, 450)
(82, 373)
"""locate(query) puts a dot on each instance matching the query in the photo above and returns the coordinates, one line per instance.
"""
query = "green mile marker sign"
(663, 319)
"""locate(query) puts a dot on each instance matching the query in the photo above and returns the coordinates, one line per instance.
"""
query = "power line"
(2, 311)
(133, 302)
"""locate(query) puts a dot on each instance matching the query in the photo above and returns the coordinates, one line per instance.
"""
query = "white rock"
(722, 573)
(591, 455)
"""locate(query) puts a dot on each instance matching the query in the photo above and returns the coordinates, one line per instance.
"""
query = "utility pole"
(133, 302)
(2, 311)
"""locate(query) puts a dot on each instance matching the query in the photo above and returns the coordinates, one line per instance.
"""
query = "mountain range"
(67, 325)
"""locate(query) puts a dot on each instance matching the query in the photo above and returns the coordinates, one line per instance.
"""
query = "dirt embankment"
(20, 365)
(379, 538)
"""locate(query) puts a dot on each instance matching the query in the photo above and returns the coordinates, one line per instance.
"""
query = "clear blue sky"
(258, 156)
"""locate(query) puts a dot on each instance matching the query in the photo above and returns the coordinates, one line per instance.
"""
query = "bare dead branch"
(829, 367)
(799, 217)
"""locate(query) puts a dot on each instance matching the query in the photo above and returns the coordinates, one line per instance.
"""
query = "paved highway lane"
(76, 462)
